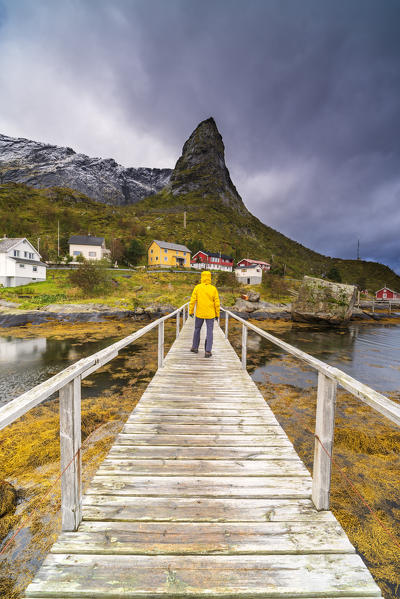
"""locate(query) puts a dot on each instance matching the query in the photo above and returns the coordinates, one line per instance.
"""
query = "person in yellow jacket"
(206, 299)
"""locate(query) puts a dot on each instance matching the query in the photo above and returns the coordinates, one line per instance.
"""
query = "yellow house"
(162, 253)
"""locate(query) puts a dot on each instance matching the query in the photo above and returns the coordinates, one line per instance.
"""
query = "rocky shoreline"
(74, 313)
(11, 317)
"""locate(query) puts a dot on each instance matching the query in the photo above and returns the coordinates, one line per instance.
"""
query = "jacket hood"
(206, 277)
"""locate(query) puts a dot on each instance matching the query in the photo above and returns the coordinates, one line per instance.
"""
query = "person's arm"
(216, 303)
(193, 301)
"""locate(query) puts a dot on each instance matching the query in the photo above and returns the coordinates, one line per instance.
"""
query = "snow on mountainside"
(43, 165)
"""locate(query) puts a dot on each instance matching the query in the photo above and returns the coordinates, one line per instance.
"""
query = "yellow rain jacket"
(206, 297)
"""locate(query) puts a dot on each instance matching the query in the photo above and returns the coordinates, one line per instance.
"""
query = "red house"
(246, 262)
(385, 294)
(212, 260)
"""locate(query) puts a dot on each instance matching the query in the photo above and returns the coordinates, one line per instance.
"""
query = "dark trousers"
(196, 335)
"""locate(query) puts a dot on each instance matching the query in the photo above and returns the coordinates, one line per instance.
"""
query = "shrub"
(92, 277)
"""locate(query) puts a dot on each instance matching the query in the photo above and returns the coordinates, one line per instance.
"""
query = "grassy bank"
(130, 289)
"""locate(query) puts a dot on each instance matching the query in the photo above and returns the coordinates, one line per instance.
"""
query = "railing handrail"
(375, 400)
(28, 400)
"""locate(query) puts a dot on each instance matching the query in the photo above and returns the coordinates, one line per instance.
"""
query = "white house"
(20, 262)
(249, 275)
(88, 246)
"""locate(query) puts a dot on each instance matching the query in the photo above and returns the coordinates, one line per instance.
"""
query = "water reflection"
(25, 363)
(368, 353)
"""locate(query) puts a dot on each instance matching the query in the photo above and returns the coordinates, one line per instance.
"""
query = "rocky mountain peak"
(202, 169)
(43, 165)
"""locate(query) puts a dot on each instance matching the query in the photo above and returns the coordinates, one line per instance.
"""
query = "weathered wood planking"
(202, 495)
(127, 576)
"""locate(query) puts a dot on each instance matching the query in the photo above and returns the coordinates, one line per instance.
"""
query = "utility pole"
(58, 238)
(38, 245)
(184, 219)
(358, 249)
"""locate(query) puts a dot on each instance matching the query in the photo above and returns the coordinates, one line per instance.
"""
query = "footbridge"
(202, 493)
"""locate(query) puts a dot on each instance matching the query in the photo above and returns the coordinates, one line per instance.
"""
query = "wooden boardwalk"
(202, 495)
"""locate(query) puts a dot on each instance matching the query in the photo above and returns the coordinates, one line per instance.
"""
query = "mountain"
(43, 165)
(202, 168)
(200, 185)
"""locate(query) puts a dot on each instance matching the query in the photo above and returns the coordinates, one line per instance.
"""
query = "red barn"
(385, 294)
(212, 260)
(247, 262)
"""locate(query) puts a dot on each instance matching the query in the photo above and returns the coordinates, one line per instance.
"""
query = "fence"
(68, 383)
(328, 380)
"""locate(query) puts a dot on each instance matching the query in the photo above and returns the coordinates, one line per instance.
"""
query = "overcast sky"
(306, 94)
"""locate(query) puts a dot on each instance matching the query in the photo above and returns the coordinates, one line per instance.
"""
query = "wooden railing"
(68, 383)
(328, 380)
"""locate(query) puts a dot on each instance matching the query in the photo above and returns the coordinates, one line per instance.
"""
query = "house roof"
(86, 240)
(8, 242)
(247, 267)
(255, 261)
(386, 289)
(171, 246)
(214, 255)
(26, 261)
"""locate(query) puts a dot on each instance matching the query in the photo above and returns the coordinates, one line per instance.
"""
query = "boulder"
(242, 305)
(253, 296)
(324, 301)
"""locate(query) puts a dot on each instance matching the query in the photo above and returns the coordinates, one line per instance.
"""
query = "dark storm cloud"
(305, 95)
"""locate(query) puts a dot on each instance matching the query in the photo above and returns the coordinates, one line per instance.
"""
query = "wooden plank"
(202, 429)
(188, 509)
(132, 576)
(202, 452)
(196, 419)
(152, 538)
(163, 467)
(206, 486)
(218, 440)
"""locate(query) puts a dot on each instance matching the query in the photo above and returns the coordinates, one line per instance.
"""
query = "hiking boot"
(195, 351)
(208, 354)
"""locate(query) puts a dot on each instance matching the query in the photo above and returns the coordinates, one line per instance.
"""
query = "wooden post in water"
(226, 324)
(324, 430)
(177, 324)
(244, 346)
(160, 344)
(70, 446)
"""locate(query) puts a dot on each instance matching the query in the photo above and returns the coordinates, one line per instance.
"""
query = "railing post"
(70, 450)
(324, 430)
(160, 344)
(226, 324)
(177, 324)
(244, 346)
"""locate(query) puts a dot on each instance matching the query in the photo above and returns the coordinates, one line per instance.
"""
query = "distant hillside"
(34, 213)
(43, 165)
(200, 185)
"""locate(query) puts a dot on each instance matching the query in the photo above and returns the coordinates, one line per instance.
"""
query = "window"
(92, 254)
(184, 253)
(166, 251)
(151, 251)
(31, 256)
(25, 254)
(22, 265)
(166, 258)
(16, 252)
(76, 253)
(156, 257)
(35, 269)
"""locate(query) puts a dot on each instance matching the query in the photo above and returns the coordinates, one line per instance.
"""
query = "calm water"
(25, 363)
(369, 353)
